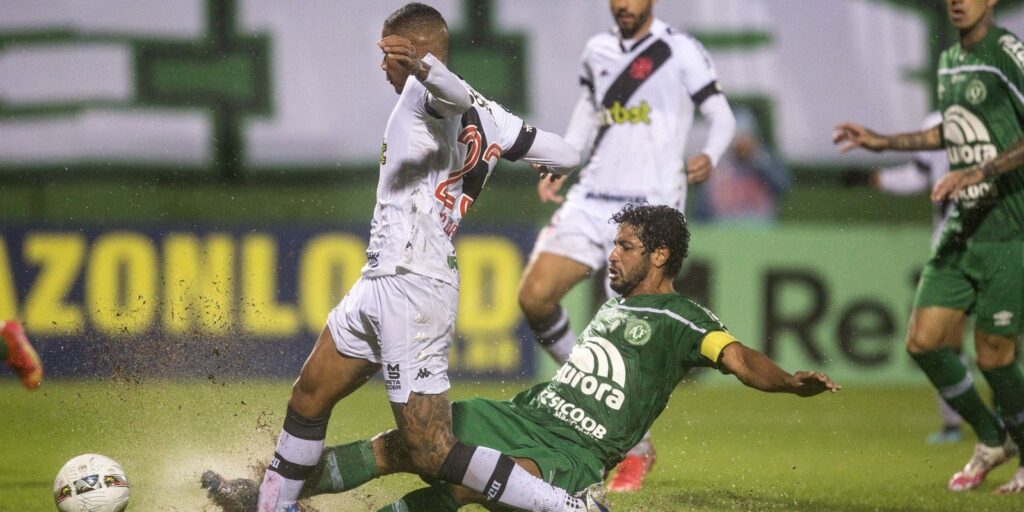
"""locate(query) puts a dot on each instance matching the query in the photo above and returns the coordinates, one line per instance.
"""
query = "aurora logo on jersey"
(589, 368)
(967, 139)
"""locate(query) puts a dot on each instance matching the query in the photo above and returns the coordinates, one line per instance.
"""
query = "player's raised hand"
(698, 168)
(812, 383)
(952, 183)
(853, 135)
(402, 52)
(549, 185)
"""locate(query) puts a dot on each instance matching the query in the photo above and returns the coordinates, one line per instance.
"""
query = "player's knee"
(920, 340)
(993, 351)
(305, 398)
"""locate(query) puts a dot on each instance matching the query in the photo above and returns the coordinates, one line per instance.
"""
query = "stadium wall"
(129, 300)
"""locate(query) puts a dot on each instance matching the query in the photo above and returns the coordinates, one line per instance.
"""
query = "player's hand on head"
(698, 168)
(401, 51)
(852, 135)
(806, 383)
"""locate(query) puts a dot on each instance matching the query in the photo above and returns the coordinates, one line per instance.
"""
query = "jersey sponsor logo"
(638, 332)
(383, 152)
(1002, 318)
(571, 414)
(618, 114)
(590, 367)
(967, 139)
(976, 92)
(968, 196)
(1014, 48)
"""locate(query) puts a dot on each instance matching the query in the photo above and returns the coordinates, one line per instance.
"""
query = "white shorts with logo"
(405, 323)
(580, 230)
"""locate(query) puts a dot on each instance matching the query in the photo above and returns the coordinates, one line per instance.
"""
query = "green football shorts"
(495, 424)
(985, 278)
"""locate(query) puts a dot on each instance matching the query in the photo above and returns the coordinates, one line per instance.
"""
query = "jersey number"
(471, 137)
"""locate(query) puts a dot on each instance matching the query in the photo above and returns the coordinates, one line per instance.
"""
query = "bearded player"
(605, 397)
(441, 143)
(640, 85)
(976, 266)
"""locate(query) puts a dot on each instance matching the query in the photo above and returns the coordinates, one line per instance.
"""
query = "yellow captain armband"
(713, 343)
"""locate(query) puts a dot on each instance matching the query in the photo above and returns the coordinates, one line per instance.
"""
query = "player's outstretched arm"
(852, 135)
(552, 155)
(952, 183)
(450, 97)
(759, 372)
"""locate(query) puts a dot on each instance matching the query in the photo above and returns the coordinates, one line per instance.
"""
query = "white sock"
(499, 479)
(298, 451)
(558, 339)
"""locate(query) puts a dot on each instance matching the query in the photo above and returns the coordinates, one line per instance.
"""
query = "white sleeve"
(554, 152)
(447, 95)
(698, 72)
(909, 178)
(721, 126)
(583, 123)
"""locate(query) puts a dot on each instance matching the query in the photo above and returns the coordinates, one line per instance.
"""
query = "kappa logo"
(590, 367)
(967, 139)
(1002, 318)
(423, 373)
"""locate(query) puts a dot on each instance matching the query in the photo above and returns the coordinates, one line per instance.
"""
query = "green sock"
(342, 468)
(1008, 385)
(956, 385)
(436, 498)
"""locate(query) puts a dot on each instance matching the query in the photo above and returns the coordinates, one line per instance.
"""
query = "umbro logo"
(1002, 318)
(423, 373)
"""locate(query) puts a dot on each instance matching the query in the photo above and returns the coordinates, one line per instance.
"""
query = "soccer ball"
(91, 483)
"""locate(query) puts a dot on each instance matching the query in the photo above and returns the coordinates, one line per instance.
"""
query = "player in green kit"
(618, 379)
(976, 268)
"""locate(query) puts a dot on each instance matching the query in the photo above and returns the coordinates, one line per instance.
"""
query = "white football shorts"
(405, 323)
(580, 230)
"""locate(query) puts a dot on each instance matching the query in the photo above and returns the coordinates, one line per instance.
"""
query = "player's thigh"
(993, 350)
(944, 294)
(328, 376)
(999, 267)
(549, 277)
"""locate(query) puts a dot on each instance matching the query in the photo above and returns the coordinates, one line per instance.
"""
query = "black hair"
(415, 15)
(659, 226)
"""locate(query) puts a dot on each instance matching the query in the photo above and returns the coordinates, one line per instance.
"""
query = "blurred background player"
(748, 182)
(17, 353)
(914, 177)
(641, 82)
(975, 267)
(651, 335)
(440, 144)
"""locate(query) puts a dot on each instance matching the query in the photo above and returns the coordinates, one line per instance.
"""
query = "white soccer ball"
(91, 483)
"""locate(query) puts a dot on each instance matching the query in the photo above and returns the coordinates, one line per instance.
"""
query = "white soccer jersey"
(432, 168)
(643, 95)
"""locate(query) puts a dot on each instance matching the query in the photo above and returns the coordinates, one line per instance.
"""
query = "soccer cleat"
(985, 459)
(630, 473)
(1015, 485)
(21, 357)
(595, 498)
(949, 434)
(238, 495)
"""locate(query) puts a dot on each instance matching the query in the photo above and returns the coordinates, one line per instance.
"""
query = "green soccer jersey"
(624, 367)
(982, 115)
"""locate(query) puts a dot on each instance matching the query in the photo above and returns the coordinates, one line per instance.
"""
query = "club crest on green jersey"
(638, 331)
(976, 92)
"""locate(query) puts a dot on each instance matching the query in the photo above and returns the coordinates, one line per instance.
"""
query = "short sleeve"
(698, 72)
(1012, 66)
(701, 336)
(514, 136)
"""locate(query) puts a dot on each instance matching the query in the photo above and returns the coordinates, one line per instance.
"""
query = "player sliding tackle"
(975, 267)
(618, 379)
(440, 145)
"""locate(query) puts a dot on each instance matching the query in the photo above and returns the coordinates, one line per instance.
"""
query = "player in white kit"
(641, 83)
(441, 143)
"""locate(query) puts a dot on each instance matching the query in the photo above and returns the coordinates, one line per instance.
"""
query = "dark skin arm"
(756, 370)
(954, 182)
(852, 135)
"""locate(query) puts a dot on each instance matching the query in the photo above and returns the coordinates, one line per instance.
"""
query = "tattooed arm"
(852, 135)
(952, 183)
